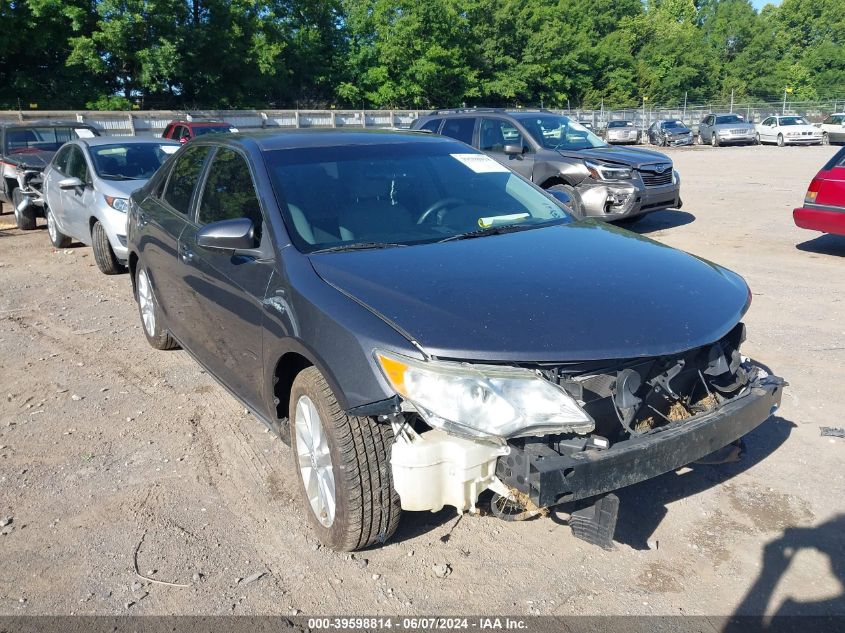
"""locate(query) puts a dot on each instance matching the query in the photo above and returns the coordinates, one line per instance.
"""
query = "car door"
(705, 128)
(161, 219)
(459, 128)
(77, 202)
(494, 134)
(226, 289)
(56, 171)
(764, 129)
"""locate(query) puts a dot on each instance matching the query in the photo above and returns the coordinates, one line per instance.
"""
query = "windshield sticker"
(486, 223)
(480, 163)
(169, 149)
(82, 132)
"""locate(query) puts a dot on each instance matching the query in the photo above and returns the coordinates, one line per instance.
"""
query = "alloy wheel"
(315, 461)
(145, 301)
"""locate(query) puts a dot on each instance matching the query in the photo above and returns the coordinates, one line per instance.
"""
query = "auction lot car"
(622, 132)
(423, 324)
(559, 154)
(824, 203)
(667, 133)
(25, 150)
(185, 130)
(788, 130)
(87, 187)
(833, 128)
(726, 129)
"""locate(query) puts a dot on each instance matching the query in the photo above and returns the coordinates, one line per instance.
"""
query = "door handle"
(186, 254)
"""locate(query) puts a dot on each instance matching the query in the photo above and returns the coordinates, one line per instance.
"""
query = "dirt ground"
(112, 454)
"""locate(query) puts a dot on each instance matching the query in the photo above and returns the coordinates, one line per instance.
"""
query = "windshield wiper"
(117, 177)
(495, 230)
(358, 246)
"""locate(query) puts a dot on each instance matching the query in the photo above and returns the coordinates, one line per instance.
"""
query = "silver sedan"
(87, 186)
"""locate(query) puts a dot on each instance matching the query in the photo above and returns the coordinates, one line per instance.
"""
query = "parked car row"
(424, 319)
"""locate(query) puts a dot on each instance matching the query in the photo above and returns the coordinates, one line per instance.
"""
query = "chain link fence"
(153, 122)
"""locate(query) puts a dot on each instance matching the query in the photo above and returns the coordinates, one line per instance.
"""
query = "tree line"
(122, 54)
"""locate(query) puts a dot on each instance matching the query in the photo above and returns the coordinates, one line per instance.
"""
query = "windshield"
(211, 129)
(400, 194)
(729, 118)
(130, 161)
(620, 124)
(43, 139)
(671, 125)
(793, 120)
(559, 132)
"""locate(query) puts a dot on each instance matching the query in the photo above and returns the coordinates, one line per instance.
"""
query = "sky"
(759, 4)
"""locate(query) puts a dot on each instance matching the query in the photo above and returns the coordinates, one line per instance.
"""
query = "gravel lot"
(113, 454)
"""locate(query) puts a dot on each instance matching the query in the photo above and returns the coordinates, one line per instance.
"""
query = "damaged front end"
(30, 188)
(642, 417)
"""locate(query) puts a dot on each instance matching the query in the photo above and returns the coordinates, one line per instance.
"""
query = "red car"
(184, 131)
(824, 204)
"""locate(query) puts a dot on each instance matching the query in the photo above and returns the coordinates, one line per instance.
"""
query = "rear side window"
(431, 126)
(459, 129)
(838, 160)
(184, 177)
(229, 193)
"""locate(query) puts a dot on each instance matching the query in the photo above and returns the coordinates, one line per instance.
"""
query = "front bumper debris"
(549, 478)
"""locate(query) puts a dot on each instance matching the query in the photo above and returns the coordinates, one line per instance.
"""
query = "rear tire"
(757, 140)
(58, 239)
(343, 465)
(157, 336)
(104, 255)
(24, 219)
(576, 204)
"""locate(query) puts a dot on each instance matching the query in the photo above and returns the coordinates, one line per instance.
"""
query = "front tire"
(757, 140)
(780, 140)
(104, 255)
(825, 139)
(58, 239)
(157, 336)
(576, 204)
(25, 219)
(343, 465)
(714, 139)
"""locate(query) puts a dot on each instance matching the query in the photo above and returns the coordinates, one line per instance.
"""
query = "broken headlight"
(484, 401)
(607, 171)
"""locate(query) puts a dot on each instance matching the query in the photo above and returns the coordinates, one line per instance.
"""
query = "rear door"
(226, 289)
(161, 220)
(460, 128)
(494, 134)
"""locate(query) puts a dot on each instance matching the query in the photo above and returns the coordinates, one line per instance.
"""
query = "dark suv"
(25, 150)
(422, 325)
(556, 152)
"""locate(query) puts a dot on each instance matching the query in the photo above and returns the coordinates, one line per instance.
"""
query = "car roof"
(200, 123)
(118, 140)
(14, 124)
(274, 139)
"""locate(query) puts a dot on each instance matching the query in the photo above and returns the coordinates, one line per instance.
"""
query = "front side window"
(559, 132)
(459, 129)
(130, 161)
(494, 134)
(228, 193)
(400, 193)
(184, 176)
(77, 167)
(60, 161)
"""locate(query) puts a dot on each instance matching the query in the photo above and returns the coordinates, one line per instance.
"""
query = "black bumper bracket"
(596, 524)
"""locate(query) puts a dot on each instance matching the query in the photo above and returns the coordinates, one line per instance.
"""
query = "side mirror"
(514, 150)
(227, 235)
(70, 183)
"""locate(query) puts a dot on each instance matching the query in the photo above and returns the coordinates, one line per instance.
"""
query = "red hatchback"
(824, 204)
(184, 131)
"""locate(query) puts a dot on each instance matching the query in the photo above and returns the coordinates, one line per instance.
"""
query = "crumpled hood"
(632, 156)
(33, 158)
(582, 291)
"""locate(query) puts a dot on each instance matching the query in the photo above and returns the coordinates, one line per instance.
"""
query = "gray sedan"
(726, 129)
(87, 187)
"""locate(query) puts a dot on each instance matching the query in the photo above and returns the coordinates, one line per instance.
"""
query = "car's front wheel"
(714, 139)
(780, 140)
(104, 255)
(58, 239)
(825, 139)
(343, 464)
(151, 323)
(757, 140)
(25, 219)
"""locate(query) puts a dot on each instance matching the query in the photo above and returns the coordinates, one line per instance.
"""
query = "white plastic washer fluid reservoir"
(438, 469)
